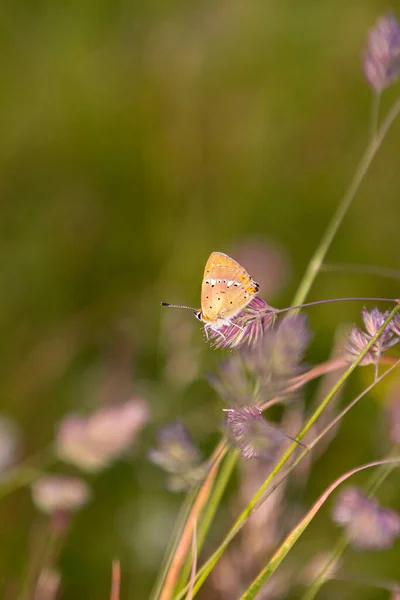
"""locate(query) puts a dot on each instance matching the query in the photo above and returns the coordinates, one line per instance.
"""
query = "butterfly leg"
(214, 330)
(229, 323)
(220, 333)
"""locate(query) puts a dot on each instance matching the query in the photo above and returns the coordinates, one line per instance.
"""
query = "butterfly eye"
(198, 315)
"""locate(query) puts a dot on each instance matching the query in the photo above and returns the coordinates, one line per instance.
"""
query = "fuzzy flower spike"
(358, 339)
(382, 56)
(178, 456)
(246, 328)
(93, 442)
(368, 525)
(252, 434)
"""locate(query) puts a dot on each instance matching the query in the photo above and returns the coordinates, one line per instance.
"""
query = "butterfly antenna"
(177, 306)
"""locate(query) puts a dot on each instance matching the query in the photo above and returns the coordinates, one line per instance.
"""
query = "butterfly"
(226, 290)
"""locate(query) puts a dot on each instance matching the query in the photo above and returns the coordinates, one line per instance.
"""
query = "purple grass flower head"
(234, 382)
(178, 456)
(251, 434)
(247, 328)
(358, 339)
(368, 525)
(279, 356)
(382, 56)
(92, 443)
(53, 494)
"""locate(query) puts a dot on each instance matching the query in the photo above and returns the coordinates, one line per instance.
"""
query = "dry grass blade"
(115, 580)
(184, 543)
(194, 563)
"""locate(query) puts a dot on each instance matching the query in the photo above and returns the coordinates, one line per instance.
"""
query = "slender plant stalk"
(194, 563)
(357, 268)
(292, 538)
(210, 564)
(278, 311)
(376, 101)
(380, 477)
(319, 581)
(211, 508)
(174, 539)
(330, 232)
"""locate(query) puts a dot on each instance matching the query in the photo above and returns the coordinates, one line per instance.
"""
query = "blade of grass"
(174, 540)
(211, 508)
(183, 544)
(292, 538)
(194, 563)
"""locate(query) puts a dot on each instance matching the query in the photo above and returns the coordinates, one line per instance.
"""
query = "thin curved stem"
(330, 232)
(210, 509)
(363, 269)
(332, 301)
(376, 101)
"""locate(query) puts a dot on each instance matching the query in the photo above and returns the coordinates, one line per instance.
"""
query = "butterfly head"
(198, 314)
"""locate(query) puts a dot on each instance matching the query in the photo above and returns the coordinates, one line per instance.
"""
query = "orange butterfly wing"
(226, 289)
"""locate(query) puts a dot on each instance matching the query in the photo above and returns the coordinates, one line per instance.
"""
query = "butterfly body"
(227, 288)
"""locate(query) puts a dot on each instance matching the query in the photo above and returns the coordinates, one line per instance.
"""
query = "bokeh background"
(135, 138)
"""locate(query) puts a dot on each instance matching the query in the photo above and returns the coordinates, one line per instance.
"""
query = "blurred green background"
(135, 138)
